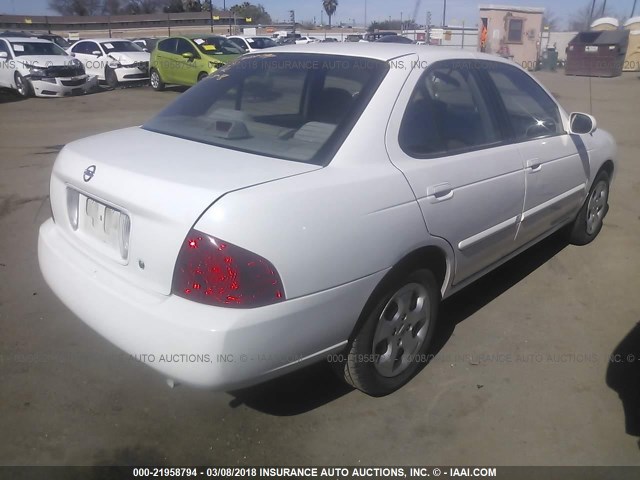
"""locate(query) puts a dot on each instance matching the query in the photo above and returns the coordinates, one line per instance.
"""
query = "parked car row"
(176, 60)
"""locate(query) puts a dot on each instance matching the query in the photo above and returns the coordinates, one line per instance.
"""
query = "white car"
(112, 60)
(305, 40)
(252, 44)
(316, 202)
(34, 66)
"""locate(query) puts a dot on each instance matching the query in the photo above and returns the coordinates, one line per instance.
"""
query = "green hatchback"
(187, 60)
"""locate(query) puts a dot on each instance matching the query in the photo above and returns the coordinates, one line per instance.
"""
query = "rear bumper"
(74, 86)
(200, 345)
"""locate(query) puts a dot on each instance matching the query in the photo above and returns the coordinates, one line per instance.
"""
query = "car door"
(93, 64)
(445, 137)
(556, 174)
(165, 59)
(189, 69)
(7, 65)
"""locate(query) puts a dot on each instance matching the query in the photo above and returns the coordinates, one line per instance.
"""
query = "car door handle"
(534, 165)
(440, 192)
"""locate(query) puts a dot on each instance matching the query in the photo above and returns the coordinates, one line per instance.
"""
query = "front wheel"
(23, 86)
(589, 221)
(156, 82)
(391, 344)
(202, 76)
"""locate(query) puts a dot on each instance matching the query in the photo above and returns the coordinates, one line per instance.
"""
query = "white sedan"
(252, 44)
(316, 202)
(32, 66)
(112, 60)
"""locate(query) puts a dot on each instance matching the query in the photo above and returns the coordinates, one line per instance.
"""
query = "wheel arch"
(430, 257)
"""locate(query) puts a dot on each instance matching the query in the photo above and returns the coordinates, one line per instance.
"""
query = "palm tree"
(330, 7)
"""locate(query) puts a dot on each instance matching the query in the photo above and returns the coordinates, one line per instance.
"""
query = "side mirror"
(96, 53)
(582, 123)
(187, 55)
(145, 50)
(4, 55)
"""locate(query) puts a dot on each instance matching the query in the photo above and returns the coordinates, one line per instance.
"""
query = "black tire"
(110, 77)
(202, 76)
(372, 363)
(156, 81)
(23, 86)
(589, 221)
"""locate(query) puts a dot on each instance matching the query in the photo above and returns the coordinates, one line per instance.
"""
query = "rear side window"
(169, 45)
(532, 113)
(292, 106)
(447, 113)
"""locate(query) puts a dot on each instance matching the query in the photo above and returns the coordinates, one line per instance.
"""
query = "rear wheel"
(23, 86)
(391, 344)
(589, 221)
(156, 82)
(110, 77)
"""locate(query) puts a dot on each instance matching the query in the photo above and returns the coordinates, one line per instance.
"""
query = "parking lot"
(520, 375)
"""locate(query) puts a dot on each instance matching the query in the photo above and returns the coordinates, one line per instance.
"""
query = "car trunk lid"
(162, 184)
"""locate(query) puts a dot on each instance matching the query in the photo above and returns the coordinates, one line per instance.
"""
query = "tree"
(134, 7)
(256, 13)
(76, 7)
(112, 7)
(550, 20)
(582, 19)
(330, 7)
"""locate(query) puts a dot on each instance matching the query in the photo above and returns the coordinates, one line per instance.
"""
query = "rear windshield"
(292, 106)
(36, 48)
(120, 46)
(217, 46)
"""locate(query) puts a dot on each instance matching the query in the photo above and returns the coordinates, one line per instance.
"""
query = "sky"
(353, 11)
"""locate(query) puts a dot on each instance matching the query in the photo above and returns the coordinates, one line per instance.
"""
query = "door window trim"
(511, 138)
(473, 66)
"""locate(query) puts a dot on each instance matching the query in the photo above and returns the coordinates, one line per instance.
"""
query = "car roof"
(386, 51)
(27, 39)
(103, 40)
(191, 36)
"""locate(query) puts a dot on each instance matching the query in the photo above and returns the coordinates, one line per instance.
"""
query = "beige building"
(632, 59)
(511, 32)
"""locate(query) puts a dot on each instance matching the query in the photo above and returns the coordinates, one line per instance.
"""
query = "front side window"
(514, 31)
(447, 113)
(32, 48)
(289, 106)
(184, 46)
(5, 48)
(261, 42)
(532, 113)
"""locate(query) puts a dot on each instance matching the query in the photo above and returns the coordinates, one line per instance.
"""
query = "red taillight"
(216, 272)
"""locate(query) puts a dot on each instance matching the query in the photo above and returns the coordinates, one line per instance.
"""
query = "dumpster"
(549, 60)
(597, 53)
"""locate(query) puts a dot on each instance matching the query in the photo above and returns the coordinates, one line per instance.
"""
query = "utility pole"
(292, 17)
(593, 6)
(211, 14)
(365, 13)
(633, 9)
(444, 14)
(401, 24)
(604, 5)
